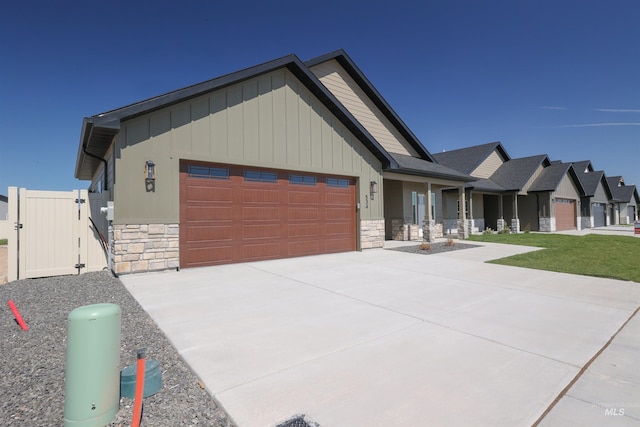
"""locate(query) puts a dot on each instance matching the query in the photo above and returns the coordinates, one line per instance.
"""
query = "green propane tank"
(92, 383)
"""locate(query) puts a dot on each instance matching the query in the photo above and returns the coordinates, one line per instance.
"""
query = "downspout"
(104, 162)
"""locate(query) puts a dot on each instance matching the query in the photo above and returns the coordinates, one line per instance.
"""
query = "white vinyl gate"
(52, 234)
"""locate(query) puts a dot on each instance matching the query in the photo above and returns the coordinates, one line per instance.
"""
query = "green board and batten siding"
(271, 121)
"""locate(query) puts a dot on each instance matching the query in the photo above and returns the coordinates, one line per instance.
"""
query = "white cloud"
(552, 108)
(588, 125)
(617, 110)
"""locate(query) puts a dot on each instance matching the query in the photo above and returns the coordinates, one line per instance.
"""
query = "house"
(624, 207)
(558, 192)
(483, 195)
(529, 193)
(286, 158)
(4, 208)
(594, 204)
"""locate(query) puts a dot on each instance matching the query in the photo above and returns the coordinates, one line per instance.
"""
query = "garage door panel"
(343, 229)
(209, 256)
(304, 247)
(256, 252)
(209, 194)
(343, 198)
(250, 217)
(337, 214)
(261, 231)
(336, 245)
(298, 197)
(209, 233)
(261, 213)
(209, 213)
(303, 230)
(261, 196)
(303, 214)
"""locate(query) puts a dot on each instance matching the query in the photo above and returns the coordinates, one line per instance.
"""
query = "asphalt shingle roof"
(512, 175)
(590, 181)
(622, 193)
(550, 177)
(414, 165)
(582, 166)
(467, 159)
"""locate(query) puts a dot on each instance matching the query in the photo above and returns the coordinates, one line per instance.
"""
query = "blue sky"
(549, 77)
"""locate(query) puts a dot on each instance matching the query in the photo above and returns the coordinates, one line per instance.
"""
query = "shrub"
(424, 246)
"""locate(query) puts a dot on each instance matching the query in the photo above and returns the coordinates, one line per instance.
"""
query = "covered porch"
(414, 208)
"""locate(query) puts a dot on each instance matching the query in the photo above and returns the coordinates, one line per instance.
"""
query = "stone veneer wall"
(586, 222)
(145, 247)
(546, 224)
(372, 233)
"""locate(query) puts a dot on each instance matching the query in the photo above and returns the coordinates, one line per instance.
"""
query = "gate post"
(14, 232)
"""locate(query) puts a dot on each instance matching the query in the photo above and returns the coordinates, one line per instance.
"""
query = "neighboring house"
(625, 201)
(482, 209)
(559, 192)
(283, 159)
(594, 204)
(530, 193)
(4, 208)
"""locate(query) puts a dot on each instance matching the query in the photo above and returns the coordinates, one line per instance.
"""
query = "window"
(302, 179)
(260, 176)
(338, 182)
(206, 172)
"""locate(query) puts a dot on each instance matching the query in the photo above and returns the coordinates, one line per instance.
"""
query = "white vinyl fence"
(52, 233)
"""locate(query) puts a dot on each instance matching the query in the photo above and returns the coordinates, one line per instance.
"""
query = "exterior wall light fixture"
(374, 188)
(150, 176)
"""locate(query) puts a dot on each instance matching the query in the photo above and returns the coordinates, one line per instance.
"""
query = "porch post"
(428, 224)
(515, 221)
(471, 219)
(500, 222)
(463, 229)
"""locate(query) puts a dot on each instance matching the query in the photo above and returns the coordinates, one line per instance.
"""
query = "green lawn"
(616, 257)
(3, 242)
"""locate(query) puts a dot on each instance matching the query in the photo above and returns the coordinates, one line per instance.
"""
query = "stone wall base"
(515, 225)
(547, 224)
(429, 231)
(403, 231)
(463, 229)
(372, 233)
(501, 224)
(145, 247)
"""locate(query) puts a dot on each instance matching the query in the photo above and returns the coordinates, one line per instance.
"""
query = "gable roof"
(98, 131)
(469, 158)
(552, 175)
(622, 193)
(513, 174)
(583, 166)
(590, 181)
(361, 80)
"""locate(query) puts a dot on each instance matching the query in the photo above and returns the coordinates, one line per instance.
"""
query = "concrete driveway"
(384, 338)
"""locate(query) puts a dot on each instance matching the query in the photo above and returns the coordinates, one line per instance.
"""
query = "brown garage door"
(565, 214)
(234, 214)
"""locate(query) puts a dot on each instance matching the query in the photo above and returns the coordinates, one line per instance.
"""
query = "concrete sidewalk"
(381, 338)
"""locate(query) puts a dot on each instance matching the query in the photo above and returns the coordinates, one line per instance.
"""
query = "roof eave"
(347, 63)
(109, 122)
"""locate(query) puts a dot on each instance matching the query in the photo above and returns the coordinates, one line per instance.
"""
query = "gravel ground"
(434, 248)
(32, 362)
